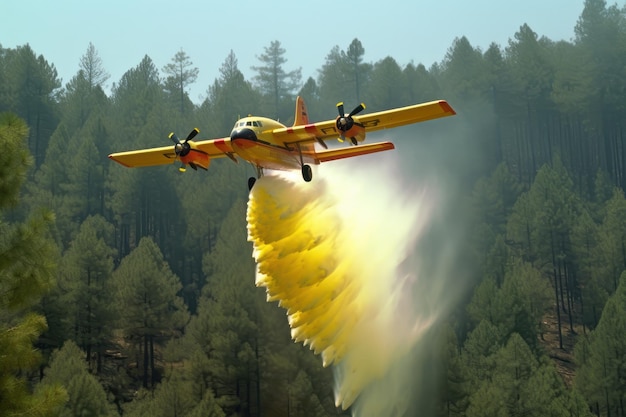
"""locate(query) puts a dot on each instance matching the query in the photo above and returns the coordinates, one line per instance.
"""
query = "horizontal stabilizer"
(348, 152)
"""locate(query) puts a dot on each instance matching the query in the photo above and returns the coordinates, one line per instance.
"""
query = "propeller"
(183, 148)
(345, 121)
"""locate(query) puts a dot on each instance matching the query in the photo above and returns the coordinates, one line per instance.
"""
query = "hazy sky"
(124, 31)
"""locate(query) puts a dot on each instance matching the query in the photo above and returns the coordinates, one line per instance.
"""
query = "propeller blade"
(357, 109)
(345, 122)
(340, 109)
(174, 138)
(192, 134)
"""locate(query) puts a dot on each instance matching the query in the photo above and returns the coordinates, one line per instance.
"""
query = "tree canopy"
(132, 291)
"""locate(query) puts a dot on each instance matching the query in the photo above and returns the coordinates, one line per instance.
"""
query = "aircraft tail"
(302, 117)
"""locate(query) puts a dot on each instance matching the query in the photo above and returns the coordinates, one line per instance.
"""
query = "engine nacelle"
(196, 158)
(348, 128)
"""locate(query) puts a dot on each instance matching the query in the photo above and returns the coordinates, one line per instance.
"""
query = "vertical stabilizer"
(302, 117)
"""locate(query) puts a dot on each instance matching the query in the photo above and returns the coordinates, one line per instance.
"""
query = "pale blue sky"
(123, 31)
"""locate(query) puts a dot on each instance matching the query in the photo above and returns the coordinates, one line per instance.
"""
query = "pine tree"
(521, 385)
(276, 84)
(334, 81)
(32, 84)
(86, 395)
(85, 271)
(180, 76)
(602, 358)
(26, 272)
(150, 309)
(359, 69)
(386, 89)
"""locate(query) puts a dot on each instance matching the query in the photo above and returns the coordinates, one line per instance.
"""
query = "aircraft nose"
(244, 133)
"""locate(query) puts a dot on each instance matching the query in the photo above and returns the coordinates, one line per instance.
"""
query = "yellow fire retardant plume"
(329, 252)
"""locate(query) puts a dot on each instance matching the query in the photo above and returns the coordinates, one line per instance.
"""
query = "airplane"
(268, 144)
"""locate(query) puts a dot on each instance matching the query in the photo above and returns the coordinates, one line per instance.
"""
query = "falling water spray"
(341, 255)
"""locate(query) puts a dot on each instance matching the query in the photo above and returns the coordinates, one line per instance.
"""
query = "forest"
(131, 292)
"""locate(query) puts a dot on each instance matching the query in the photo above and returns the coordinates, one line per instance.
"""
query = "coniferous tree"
(526, 103)
(386, 89)
(229, 97)
(334, 81)
(421, 85)
(542, 222)
(134, 97)
(226, 327)
(601, 357)
(592, 295)
(150, 309)
(93, 68)
(311, 95)
(600, 38)
(86, 395)
(84, 96)
(180, 76)
(85, 271)
(522, 385)
(359, 69)
(454, 390)
(533, 74)
(32, 85)
(463, 71)
(276, 84)
(26, 273)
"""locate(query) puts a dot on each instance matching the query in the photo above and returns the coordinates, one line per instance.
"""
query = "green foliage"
(386, 89)
(29, 90)
(148, 304)
(82, 304)
(13, 160)
(86, 394)
(229, 97)
(601, 356)
(464, 73)
(180, 75)
(26, 269)
(147, 292)
(539, 130)
(225, 326)
(519, 384)
(277, 86)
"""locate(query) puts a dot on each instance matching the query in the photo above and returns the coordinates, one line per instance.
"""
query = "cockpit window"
(255, 123)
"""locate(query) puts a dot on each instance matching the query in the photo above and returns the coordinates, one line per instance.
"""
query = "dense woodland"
(131, 292)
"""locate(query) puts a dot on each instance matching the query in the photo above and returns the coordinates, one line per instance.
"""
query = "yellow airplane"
(268, 144)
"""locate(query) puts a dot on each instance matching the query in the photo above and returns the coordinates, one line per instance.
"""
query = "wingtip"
(112, 157)
(447, 108)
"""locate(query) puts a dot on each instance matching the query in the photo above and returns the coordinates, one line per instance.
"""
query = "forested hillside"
(131, 292)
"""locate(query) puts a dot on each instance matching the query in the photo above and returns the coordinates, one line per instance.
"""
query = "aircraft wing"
(213, 148)
(388, 119)
(373, 121)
